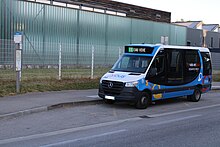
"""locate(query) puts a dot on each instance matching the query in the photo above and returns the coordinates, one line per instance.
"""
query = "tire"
(109, 101)
(143, 101)
(196, 95)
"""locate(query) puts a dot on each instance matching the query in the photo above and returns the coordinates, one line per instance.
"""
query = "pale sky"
(206, 10)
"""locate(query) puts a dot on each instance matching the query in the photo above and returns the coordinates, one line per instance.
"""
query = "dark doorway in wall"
(211, 41)
(188, 43)
(219, 42)
(203, 41)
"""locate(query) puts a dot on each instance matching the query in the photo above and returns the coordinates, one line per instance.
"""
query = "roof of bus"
(201, 49)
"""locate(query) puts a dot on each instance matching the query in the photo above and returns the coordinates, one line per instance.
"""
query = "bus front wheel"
(143, 101)
(196, 95)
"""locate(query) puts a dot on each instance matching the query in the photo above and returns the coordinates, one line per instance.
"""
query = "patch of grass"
(51, 73)
(41, 80)
(44, 79)
(9, 87)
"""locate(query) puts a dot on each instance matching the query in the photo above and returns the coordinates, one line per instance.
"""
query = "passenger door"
(183, 67)
(175, 71)
(157, 73)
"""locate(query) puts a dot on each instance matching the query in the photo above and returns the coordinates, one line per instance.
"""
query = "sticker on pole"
(18, 60)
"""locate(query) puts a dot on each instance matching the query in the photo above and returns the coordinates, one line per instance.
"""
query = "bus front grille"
(112, 87)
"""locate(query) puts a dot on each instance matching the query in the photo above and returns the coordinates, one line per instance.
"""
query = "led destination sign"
(139, 49)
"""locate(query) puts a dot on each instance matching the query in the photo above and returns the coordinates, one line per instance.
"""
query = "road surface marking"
(82, 139)
(93, 96)
(181, 111)
(175, 120)
(65, 131)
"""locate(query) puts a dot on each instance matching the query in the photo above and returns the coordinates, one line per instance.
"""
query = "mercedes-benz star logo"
(110, 85)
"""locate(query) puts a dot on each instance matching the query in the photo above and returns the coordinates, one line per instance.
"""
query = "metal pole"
(77, 37)
(92, 66)
(18, 67)
(18, 81)
(106, 37)
(18, 59)
(60, 59)
(43, 32)
(119, 52)
(18, 70)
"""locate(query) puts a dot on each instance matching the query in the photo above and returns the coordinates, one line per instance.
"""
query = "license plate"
(109, 97)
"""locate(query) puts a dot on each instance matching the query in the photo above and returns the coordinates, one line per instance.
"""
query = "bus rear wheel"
(143, 101)
(196, 95)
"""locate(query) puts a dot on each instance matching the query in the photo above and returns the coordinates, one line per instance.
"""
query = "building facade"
(46, 23)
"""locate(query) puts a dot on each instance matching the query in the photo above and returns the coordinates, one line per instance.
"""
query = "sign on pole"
(18, 60)
(18, 37)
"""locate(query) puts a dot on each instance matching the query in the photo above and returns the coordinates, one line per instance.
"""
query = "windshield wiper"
(133, 73)
(111, 71)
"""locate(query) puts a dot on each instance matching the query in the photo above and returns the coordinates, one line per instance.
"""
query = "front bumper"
(126, 94)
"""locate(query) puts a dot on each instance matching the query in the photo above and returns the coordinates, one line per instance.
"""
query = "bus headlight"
(131, 84)
(100, 81)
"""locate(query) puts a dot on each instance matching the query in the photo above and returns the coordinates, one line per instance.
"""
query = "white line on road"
(65, 131)
(69, 142)
(181, 111)
(93, 96)
(175, 120)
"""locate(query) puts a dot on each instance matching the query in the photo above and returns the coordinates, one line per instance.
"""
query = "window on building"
(219, 42)
(211, 41)
(203, 41)
(188, 43)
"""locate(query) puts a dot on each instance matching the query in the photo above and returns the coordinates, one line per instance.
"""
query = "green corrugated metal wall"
(77, 30)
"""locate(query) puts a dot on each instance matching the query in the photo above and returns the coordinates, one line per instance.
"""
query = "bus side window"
(192, 65)
(174, 66)
(207, 67)
(157, 71)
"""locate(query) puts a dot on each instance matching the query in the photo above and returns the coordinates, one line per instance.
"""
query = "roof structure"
(190, 24)
(199, 25)
(132, 11)
(210, 27)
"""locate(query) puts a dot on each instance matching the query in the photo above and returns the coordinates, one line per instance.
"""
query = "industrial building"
(80, 24)
(204, 35)
(77, 24)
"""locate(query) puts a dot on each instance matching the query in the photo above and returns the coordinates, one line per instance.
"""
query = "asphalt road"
(169, 123)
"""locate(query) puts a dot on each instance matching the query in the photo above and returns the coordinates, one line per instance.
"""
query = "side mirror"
(153, 72)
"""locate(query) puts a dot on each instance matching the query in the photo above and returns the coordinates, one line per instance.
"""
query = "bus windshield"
(131, 63)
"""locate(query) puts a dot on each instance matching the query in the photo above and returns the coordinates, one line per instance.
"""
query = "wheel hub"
(143, 100)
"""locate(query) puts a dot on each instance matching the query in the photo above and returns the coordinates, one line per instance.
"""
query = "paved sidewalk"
(14, 106)
(215, 85)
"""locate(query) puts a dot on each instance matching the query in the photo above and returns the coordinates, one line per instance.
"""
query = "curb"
(215, 87)
(72, 104)
(48, 108)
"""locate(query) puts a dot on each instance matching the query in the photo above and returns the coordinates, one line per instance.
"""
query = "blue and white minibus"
(147, 73)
